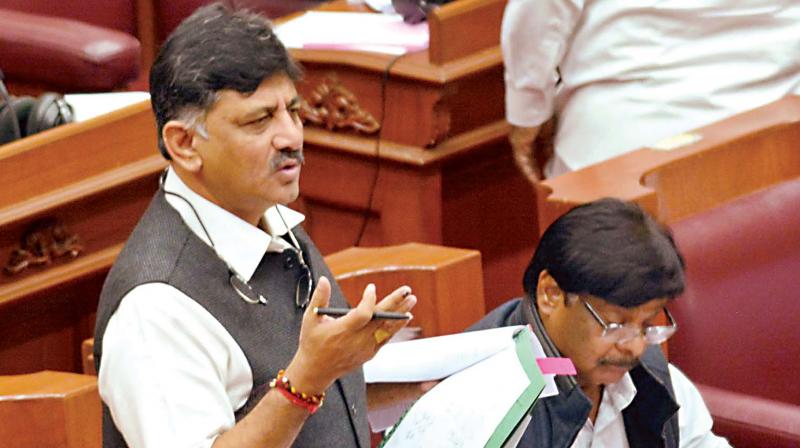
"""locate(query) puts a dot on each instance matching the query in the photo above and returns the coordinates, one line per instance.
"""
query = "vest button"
(353, 409)
(289, 262)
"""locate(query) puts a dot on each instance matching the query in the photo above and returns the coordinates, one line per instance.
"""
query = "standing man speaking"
(206, 333)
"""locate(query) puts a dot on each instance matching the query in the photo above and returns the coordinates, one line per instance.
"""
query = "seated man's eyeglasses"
(620, 333)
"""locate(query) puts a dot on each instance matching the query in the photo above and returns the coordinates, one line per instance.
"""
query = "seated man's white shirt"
(608, 430)
(171, 374)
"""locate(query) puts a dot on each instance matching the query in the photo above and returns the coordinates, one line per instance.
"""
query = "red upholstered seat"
(69, 45)
(65, 55)
(739, 319)
(117, 15)
(169, 13)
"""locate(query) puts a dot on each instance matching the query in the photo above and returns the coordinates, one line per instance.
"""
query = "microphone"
(7, 99)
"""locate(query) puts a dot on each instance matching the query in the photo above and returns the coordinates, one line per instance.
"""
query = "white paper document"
(90, 105)
(358, 31)
(491, 382)
(437, 357)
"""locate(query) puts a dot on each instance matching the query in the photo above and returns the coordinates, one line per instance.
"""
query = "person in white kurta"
(620, 75)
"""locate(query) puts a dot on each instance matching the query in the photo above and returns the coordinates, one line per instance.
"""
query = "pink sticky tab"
(559, 366)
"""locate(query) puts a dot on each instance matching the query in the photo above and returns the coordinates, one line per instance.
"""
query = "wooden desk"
(440, 169)
(733, 157)
(50, 410)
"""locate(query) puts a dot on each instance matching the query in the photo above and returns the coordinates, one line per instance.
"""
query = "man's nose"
(289, 133)
(634, 346)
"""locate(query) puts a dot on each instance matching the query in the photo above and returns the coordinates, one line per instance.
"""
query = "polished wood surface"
(735, 156)
(446, 281)
(50, 410)
(463, 28)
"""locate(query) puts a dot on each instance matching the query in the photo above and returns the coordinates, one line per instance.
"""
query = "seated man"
(598, 280)
(206, 330)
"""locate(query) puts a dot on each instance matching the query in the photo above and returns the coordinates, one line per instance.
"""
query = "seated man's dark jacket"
(651, 420)
(163, 249)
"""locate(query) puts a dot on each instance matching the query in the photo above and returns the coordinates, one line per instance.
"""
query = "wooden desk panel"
(734, 157)
(50, 410)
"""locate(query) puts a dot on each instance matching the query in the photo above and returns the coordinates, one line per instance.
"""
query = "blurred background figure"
(619, 75)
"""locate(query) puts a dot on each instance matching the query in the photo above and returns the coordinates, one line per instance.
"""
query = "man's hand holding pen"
(331, 347)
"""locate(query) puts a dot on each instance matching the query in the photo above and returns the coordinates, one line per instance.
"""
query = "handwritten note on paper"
(454, 413)
(382, 33)
(440, 357)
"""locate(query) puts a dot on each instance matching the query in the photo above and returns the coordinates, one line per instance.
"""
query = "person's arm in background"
(534, 39)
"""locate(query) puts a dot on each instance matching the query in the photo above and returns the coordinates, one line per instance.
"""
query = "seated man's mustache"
(624, 363)
(286, 154)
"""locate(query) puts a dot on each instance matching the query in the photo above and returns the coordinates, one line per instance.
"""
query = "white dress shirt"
(636, 72)
(171, 375)
(608, 429)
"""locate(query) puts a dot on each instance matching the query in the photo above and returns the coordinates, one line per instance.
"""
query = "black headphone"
(415, 11)
(24, 116)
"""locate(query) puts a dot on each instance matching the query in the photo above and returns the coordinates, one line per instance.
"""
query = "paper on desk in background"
(360, 31)
(439, 357)
(483, 405)
(90, 105)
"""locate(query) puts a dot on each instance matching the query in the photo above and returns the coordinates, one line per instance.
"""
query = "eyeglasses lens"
(303, 289)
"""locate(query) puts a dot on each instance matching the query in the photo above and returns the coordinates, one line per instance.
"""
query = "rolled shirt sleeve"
(170, 374)
(535, 35)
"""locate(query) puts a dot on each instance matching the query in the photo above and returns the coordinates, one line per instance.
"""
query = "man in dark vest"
(206, 332)
(595, 288)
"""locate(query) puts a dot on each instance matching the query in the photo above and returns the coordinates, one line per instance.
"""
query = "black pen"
(376, 315)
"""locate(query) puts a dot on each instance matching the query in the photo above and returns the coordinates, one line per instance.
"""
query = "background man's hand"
(522, 141)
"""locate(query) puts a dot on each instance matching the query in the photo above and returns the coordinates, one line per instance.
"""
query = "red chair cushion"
(740, 316)
(68, 55)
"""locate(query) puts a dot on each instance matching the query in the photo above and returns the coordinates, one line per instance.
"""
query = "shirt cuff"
(527, 107)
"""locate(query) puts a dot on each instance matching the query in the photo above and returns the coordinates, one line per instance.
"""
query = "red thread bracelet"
(311, 403)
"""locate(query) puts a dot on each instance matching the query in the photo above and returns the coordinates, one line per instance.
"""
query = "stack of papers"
(359, 31)
(490, 381)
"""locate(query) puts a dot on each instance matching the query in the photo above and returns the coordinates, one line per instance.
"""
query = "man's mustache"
(623, 363)
(284, 155)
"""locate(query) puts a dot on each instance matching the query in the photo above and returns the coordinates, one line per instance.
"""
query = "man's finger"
(395, 299)
(361, 315)
(320, 298)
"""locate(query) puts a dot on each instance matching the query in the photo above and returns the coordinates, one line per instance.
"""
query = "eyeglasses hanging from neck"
(304, 281)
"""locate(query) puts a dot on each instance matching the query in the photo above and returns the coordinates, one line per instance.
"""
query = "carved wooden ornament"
(42, 243)
(332, 106)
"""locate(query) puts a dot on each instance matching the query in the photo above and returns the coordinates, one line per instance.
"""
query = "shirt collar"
(622, 392)
(240, 244)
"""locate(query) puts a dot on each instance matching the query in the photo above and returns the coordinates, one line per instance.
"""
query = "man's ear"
(179, 141)
(548, 295)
